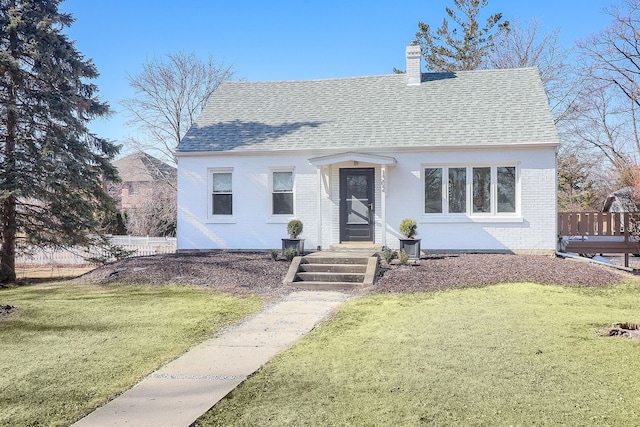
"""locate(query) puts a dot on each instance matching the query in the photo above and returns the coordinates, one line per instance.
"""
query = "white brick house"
(471, 156)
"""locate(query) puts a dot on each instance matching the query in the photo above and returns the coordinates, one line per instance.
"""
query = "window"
(457, 190)
(481, 190)
(282, 193)
(506, 189)
(470, 190)
(222, 197)
(433, 190)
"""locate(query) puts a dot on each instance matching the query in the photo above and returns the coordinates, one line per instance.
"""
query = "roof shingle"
(484, 107)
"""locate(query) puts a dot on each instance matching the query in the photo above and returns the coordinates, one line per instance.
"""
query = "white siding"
(533, 230)
(252, 226)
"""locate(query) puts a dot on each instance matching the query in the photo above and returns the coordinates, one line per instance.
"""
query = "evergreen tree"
(464, 47)
(51, 166)
(576, 187)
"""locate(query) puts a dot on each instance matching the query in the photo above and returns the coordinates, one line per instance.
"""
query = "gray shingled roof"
(142, 167)
(447, 109)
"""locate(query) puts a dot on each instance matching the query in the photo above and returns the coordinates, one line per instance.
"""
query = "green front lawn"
(514, 354)
(71, 347)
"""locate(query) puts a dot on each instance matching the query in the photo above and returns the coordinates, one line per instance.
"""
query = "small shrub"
(404, 258)
(289, 254)
(104, 251)
(273, 253)
(408, 228)
(294, 228)
(388, 254)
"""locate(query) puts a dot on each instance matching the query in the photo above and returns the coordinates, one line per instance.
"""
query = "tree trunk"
(8, 250)
(9, 224)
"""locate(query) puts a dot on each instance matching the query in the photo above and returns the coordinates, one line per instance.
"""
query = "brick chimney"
(414, 69)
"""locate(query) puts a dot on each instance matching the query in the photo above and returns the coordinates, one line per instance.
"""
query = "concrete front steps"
(332, 271)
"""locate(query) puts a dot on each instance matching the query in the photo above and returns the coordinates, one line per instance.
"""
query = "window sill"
(221, 220)
(284, 219)
(442, 219)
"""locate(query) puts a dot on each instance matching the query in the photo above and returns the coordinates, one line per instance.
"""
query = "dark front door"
(356, 205)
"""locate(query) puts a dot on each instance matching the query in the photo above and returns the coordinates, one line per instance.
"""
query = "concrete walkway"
(184, 389)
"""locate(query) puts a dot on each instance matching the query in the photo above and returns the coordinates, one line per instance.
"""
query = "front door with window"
(357, 205)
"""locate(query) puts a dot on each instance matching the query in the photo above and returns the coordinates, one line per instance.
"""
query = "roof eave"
(375, 149)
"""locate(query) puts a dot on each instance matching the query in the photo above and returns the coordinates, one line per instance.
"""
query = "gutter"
(374, 149)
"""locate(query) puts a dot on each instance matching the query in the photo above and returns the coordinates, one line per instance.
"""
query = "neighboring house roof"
(621, 201)
(141, 167)
(486, 107)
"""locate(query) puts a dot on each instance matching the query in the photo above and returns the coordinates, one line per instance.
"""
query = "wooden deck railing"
(599, 232)
(597, 223)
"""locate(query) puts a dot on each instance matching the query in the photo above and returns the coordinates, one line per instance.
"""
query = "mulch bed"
(238, 273)
(244, 273)
(439, 272)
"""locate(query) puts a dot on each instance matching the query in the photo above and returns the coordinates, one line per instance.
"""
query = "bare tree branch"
(526, 45)
(614, 52)
(170, 92)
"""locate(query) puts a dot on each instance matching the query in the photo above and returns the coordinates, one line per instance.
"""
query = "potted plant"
(409, 244)
(294, 228)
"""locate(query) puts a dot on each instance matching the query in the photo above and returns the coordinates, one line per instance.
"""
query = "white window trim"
(280, 218)
(220, 219)
(469, 216)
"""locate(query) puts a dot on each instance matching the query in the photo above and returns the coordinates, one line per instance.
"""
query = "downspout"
(319, 216)
(383, 204)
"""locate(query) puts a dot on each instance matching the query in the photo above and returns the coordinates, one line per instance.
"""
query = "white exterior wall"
(532, 229)
(251, 226)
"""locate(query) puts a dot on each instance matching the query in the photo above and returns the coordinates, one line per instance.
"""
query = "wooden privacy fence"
(599, 232)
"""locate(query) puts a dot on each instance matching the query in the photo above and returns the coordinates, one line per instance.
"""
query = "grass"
(69, 348)
(515, 354)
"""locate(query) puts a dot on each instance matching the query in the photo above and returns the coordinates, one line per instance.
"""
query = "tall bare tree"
(155, 216)
(170, 92)
(609, 103)
(527, 45)
(464, 46)
(607, 123)
(614, 52)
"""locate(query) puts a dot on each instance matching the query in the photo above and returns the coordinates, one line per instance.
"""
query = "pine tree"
(448, 50)
(51, 166)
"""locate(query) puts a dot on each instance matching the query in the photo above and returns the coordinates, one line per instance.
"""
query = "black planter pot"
(411, 247)
(295, 244)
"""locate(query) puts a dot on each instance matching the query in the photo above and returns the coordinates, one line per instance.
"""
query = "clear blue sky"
(278, 39)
